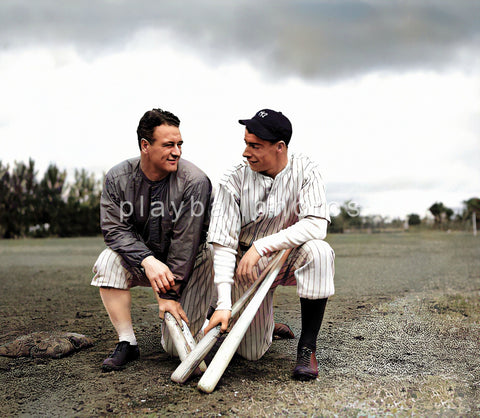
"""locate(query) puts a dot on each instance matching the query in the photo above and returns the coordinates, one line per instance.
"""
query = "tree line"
(446, 218)
(50, 206)
(442, 218)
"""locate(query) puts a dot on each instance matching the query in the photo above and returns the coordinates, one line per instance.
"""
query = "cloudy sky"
(385, 95)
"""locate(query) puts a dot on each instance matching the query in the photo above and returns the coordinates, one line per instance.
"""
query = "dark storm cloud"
(309, 38)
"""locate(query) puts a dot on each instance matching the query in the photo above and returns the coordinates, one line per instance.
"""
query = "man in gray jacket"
(154, 218)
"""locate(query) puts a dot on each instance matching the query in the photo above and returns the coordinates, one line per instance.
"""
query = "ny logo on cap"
(262, 114)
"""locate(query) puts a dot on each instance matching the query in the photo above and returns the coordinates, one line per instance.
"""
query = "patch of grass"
(457, 304)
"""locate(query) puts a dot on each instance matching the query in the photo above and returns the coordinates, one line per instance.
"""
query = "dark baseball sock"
(312, 317)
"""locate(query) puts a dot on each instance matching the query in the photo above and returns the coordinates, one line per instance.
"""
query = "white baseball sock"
(127, 334)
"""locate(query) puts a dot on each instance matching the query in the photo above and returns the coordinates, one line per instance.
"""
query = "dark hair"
(150, 120)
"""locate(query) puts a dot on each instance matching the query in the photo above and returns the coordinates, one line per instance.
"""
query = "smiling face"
(263, 156)
(160, 157)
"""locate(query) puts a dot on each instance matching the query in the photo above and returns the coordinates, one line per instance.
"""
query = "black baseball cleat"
(282, 332)
(307, 367)
(123, 353)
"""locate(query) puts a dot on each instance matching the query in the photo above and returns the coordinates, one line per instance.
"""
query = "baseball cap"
(269, 125)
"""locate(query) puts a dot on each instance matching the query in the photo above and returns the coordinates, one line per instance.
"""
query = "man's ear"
(281, 145)
(144, 145)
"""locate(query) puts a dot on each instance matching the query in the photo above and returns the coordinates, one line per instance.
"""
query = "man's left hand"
(174, 307)
(160, 276)
(221, 317)
(246, 272)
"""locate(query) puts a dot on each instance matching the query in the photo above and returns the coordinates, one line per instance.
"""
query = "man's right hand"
(160, 276)
(246, 272)
(222, 317)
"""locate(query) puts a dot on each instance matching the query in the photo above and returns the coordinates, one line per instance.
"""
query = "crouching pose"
(154, 218)
(274, 201)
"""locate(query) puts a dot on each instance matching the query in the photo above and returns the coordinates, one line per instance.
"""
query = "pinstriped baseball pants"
(195, 299)
(311, 268)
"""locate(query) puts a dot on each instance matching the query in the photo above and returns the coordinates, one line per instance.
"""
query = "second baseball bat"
(224, 355)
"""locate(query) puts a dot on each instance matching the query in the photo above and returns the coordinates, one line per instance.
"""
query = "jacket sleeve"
(189, 230)
(116, 219)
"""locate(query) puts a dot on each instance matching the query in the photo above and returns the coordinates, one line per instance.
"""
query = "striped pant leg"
(196, 297)
(258, 337)
(311, 268)
(109, 271)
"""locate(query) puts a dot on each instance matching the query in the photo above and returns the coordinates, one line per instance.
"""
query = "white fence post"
(474, 223)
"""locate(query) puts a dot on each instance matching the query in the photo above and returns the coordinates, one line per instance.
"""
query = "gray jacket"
(167, 219)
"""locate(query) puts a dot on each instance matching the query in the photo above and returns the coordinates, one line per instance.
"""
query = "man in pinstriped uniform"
(274, 201)
(154, 218)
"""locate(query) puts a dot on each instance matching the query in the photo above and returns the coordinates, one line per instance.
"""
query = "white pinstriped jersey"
(249, 206)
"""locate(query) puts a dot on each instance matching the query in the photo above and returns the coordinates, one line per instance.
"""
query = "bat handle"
(182, 338)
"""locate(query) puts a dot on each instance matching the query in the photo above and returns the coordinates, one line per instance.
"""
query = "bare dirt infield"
(401, 337)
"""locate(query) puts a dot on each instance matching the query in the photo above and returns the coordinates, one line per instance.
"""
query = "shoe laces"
(303, 356)
(122, 346)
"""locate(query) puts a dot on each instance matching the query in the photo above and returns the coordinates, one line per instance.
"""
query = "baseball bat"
(198, 353)
(224, 355)
(182, 338)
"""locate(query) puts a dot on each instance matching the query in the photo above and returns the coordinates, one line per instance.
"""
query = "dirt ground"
(401, 337)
